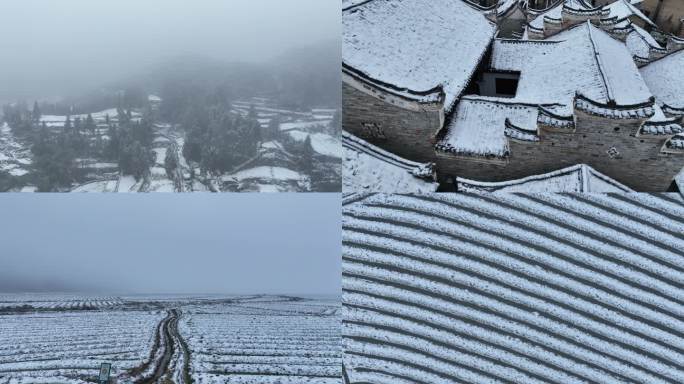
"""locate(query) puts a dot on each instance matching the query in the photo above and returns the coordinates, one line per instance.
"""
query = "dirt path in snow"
(169, 362)
(168, 347)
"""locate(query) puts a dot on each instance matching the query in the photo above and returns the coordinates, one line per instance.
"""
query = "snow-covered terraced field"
(514, 288)
(264, 340)
(69, 346)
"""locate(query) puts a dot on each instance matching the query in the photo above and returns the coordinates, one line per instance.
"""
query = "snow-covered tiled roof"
(582, 67)
(416, 44)
(368, 168)
(478, 127)
(555, 12)
(619, 10)
(578, 178)
(622, 9)
(513, 288)
(351, 3)
(514, 54)
(584, 59)
(664, 77)
(640, 43)
(660, 124)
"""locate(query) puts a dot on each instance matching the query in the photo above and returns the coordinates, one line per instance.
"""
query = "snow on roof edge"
(585, 170)
(352, 141)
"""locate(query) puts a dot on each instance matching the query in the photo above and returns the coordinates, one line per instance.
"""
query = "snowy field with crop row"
(514, 288)
(68, 346)
(63, 338)
(57, 301)
(265, 341)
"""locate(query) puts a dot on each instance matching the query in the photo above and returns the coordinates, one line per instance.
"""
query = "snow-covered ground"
(265, 340)
(69, 346)
(517, 288)
(63, 338)
(322, 143)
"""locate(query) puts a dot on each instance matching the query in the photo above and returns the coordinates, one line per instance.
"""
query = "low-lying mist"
(246, 243)
(72, 48)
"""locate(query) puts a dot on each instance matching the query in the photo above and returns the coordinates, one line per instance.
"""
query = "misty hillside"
(303, 77)
(188, 124)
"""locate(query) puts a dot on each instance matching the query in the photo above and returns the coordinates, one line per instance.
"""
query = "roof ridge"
(507, 101)
(669, 54)
(600, 65)
(583, 170)
(584, 177)
(356, 5)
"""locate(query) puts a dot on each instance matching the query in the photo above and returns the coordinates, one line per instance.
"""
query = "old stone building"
(430, 81)
(405, 64)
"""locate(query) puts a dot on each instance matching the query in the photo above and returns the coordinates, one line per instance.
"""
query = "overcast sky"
(168, 243)
(45, 44)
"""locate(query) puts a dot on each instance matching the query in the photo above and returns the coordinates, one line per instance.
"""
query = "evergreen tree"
(170, 163)
(273, 130)
(67, 124)
(252, 114)
(307, 156)
(36, 112)
(90, 124)
(78, 126)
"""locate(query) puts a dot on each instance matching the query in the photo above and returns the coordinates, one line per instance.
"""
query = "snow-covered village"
(264, 148)
(513, 95)
(145, 108)
(250, 145)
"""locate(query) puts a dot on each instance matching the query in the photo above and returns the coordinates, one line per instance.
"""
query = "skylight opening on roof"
(499, 84)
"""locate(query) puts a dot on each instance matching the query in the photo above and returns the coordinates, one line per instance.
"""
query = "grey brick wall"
(408, 133)
(639, 165)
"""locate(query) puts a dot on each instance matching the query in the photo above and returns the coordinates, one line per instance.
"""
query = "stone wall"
(405, 128)
(636, 162)
(669, 15)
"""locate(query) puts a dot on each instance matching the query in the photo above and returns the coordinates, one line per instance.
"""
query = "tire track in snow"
(165, 364)
(513, 289)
